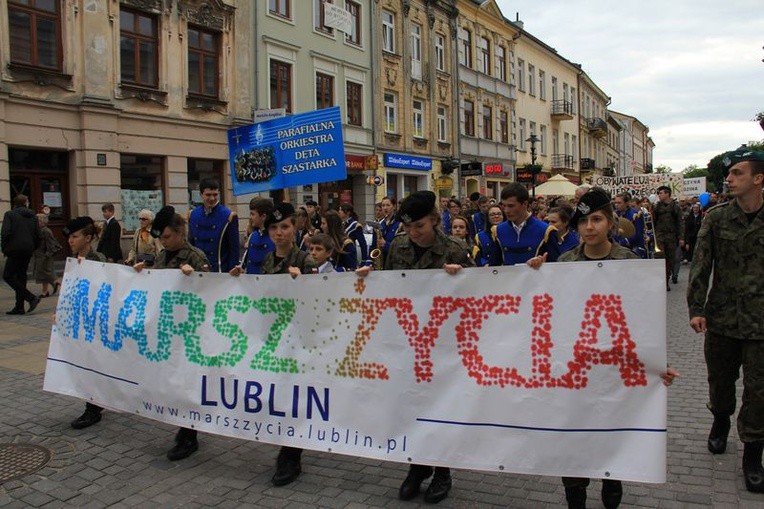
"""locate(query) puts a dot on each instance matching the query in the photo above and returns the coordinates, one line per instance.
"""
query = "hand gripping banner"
(551, 372)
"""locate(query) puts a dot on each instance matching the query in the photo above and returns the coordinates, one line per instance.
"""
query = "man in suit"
(20, 237)
(109, 244)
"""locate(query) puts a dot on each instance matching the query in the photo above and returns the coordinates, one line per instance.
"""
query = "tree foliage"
(716, 170)
(662, 168)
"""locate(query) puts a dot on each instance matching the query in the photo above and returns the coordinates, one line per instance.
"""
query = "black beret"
(161, 220)
(415, 206)
(475, 196)
(730, 159)
(77, 224)
(595, 199)
(280, 212)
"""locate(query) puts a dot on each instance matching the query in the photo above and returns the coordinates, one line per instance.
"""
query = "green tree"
(662, 168)
(716, 170)
(693, 171)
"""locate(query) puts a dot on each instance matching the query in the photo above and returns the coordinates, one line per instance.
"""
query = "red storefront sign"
(355, 163)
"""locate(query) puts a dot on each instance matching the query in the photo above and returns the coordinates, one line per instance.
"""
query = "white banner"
(337, 17)
(552, 372)
(641, 186)
(694, 186)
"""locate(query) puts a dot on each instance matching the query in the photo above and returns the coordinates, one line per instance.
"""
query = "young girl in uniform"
(481, 253)
(178, 253)
(423, 246)
(345, 256)
(567, 237)
(388, 226)
(354, 231)
(460, 230)
(595, 221)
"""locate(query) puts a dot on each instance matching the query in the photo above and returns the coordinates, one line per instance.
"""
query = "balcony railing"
(562, 162)
(588, 163)
(562, 109)
(596, 126)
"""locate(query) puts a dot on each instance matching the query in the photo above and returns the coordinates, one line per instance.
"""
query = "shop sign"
(495, 170)
(376, 180)
(526, 176)
(407, 162)
(355, 163)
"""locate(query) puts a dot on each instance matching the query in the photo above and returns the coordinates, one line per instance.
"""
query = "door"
(45, 189)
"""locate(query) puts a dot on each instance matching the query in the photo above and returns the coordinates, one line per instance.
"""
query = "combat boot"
(439, 486)
(185, 445)
(717, 439)
(752, 469)
(576, 497)
(612, 493)
(410, 486)
(288, 466)
(92, 415)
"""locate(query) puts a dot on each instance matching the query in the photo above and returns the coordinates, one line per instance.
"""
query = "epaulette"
(188, 215)
(231, 216)
(723, 204)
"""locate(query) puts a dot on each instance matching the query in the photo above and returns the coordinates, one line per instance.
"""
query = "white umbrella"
(557, 186)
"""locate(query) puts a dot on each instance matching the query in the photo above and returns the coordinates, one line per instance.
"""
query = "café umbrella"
(556, 186)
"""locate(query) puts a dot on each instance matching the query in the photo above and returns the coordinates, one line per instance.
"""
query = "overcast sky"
(691, 70)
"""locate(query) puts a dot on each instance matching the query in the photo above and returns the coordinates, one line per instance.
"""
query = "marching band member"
(259, 244)
(345, 256)
(635, 242)
(354, 231)
(559, 217)
(389, 225)
(481, 252)
(214, 228)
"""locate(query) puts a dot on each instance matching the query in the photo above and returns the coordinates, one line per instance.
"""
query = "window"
(574, 144)
(138, 48)
(565, 91)
(354, 94)
(465, 56)
(35, 33)
(324, 91)
(503, 127)
(390, 112)
(319, 16)
(521, 74)
(388, 32)
(418, 120)
(572, 97)
(442, 124)
(554, 89)
(202, 62)
(140, 186)
(281, 85)
(542, 85)
(531, 79)
(566, 137)
(542, 140)
(280, 8)
(440, 52)
(521, 141)
(532, 128)
(487, 122)
(501, 63)
(483, 55)
(469, 118)
(354, 37)
(416, 51)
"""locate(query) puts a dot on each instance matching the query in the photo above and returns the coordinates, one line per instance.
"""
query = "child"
(259, 244)
(345, 256)
(481, 252)
(321, 250)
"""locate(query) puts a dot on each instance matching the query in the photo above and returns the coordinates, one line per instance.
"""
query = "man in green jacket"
(731, 247)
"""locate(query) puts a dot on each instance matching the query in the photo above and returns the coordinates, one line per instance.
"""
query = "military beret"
(280, 212)
(741, 154)
(593, 200)
(415, 206)
(77, 224)
(161, 220)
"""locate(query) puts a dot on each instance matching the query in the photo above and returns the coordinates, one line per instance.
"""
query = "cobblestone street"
(121, 462)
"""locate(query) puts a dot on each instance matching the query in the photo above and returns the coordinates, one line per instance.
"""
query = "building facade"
(124, 101)
(415, 105)
(593, 103)
(303, 62)
(636, 155)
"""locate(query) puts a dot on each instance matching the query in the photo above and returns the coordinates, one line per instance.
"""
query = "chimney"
(519, 23)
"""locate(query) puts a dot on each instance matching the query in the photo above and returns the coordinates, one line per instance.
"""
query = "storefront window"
(392, 185)
(409, 185)
(141, 186)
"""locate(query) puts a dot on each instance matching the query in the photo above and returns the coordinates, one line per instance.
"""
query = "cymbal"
(626, 228)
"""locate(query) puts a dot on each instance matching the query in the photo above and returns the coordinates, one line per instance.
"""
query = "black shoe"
(675, 280)
(752, 470)
(56, 285)
(717, 439)
(668, 288)
(612, 493)
(15, 311)
(87, 419)
(33, 303)
(576, 497)
(410, 486)
(288, 466)
(438, 488)
(183, 449)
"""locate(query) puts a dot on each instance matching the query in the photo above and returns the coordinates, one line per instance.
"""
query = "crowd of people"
(725, 238)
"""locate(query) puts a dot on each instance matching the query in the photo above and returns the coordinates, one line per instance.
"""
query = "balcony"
(562, 109)
(597, 127)
(588, 163)
(562, 162)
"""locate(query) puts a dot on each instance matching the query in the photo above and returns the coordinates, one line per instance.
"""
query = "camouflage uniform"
(733, 250)
(617, 252)
(667, 225)
(295, 258)
(95, 256)
(187, 254)
(402, 255)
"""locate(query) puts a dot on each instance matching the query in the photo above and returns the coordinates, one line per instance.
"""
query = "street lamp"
(533, 139)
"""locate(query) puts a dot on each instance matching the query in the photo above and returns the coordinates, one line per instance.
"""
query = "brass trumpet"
(651, 243)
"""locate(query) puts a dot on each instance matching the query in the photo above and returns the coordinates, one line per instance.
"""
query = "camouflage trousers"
(669, 254)
(724, 358)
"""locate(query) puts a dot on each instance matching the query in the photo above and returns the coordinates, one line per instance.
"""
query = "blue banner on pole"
(287, 152)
